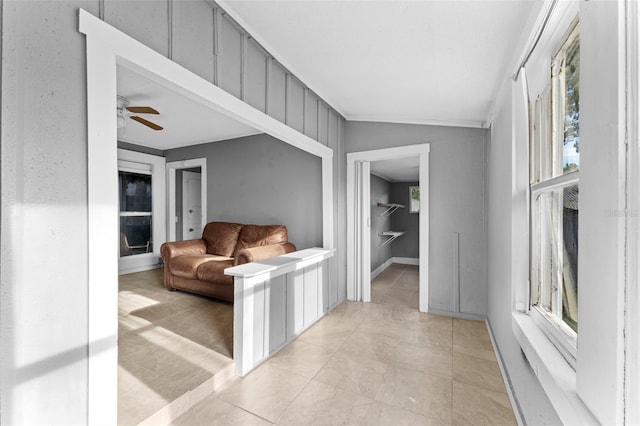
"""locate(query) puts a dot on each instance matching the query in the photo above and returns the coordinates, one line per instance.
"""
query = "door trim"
(358, 251)
(171, 188)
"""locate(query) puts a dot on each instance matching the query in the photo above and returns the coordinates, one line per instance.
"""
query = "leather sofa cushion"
(213, 271)
(187, 266)
(260, 235)
(221, 237)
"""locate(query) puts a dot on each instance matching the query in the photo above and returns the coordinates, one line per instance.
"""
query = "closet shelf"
(390, 208)
(392, 236)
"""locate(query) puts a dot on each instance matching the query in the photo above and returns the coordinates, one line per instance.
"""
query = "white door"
(191, 206)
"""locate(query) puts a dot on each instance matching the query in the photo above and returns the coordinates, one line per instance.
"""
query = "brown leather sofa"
(198, 265)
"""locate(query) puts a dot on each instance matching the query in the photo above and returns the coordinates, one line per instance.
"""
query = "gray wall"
(456, 185)
(43, 307)
(380, 193)
(407, 245)
(261, 180)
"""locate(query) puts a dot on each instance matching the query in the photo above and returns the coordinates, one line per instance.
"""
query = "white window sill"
(556, 376)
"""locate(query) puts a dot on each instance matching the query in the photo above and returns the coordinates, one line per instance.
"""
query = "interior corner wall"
(262, 180)
(408, 245)
(456, 191)
(380, 193)
(534, 405)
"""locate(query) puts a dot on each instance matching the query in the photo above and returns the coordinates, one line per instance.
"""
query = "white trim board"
(108, 48)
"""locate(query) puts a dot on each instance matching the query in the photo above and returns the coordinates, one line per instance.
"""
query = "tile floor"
(381, 363)
(173, 348)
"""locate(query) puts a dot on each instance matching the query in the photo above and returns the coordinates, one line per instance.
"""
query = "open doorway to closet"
(394, 231)
(372, 201)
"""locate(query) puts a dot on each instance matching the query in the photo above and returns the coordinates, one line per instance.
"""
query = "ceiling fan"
(124, 110)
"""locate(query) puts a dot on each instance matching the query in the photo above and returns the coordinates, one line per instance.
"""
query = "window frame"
(137, 162)
(546, 175)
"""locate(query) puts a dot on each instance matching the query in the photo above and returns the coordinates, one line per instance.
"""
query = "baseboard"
(391, 261)
(381, 268)
(517, 411)
(462, 315)
(139, 269)
(406, 260)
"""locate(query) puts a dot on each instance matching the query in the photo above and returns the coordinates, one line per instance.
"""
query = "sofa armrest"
(182, 248)
(255, 254)
(179, 248)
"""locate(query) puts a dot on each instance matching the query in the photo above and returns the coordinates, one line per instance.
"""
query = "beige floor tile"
(397, 296)
(206, 328)
(214, 411)
(477, 371)
(472, 338)
(420, 393)
(423, 359)
(166, 349)
(321, 404)
(351, 373)
(131, 391)
(407, 283)
(265, 392)
(376, 347)
(478, 406)
(331, 332)
(301, 358)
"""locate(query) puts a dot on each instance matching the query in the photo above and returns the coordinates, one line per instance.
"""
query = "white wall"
(602, 207)
(456, 204)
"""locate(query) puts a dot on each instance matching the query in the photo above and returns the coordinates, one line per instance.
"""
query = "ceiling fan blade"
(147, 123)
(142, 110)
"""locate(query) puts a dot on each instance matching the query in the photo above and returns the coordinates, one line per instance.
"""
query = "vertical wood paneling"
(192, 38)
(277, 91)
(216, 45)
(310, 305)
(323, 124)
(278, 312)
(295, 309)
(323, 286)
(259, 318)
(229, 58)
(311, 114)
(295, 104)
(146, 21)
(255, 76)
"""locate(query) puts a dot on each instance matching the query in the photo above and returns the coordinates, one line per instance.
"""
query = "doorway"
(359, 219)
(187, 204)
(108, 48)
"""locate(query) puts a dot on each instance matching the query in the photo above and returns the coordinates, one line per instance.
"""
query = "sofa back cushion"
(221, 237)
(260, 235)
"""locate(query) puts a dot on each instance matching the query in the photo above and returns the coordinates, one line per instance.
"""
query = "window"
(142, 210)
(135, 213)
(414, 199)
(554, 179)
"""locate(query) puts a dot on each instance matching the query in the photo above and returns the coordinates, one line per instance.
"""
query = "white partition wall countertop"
(275, 300)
